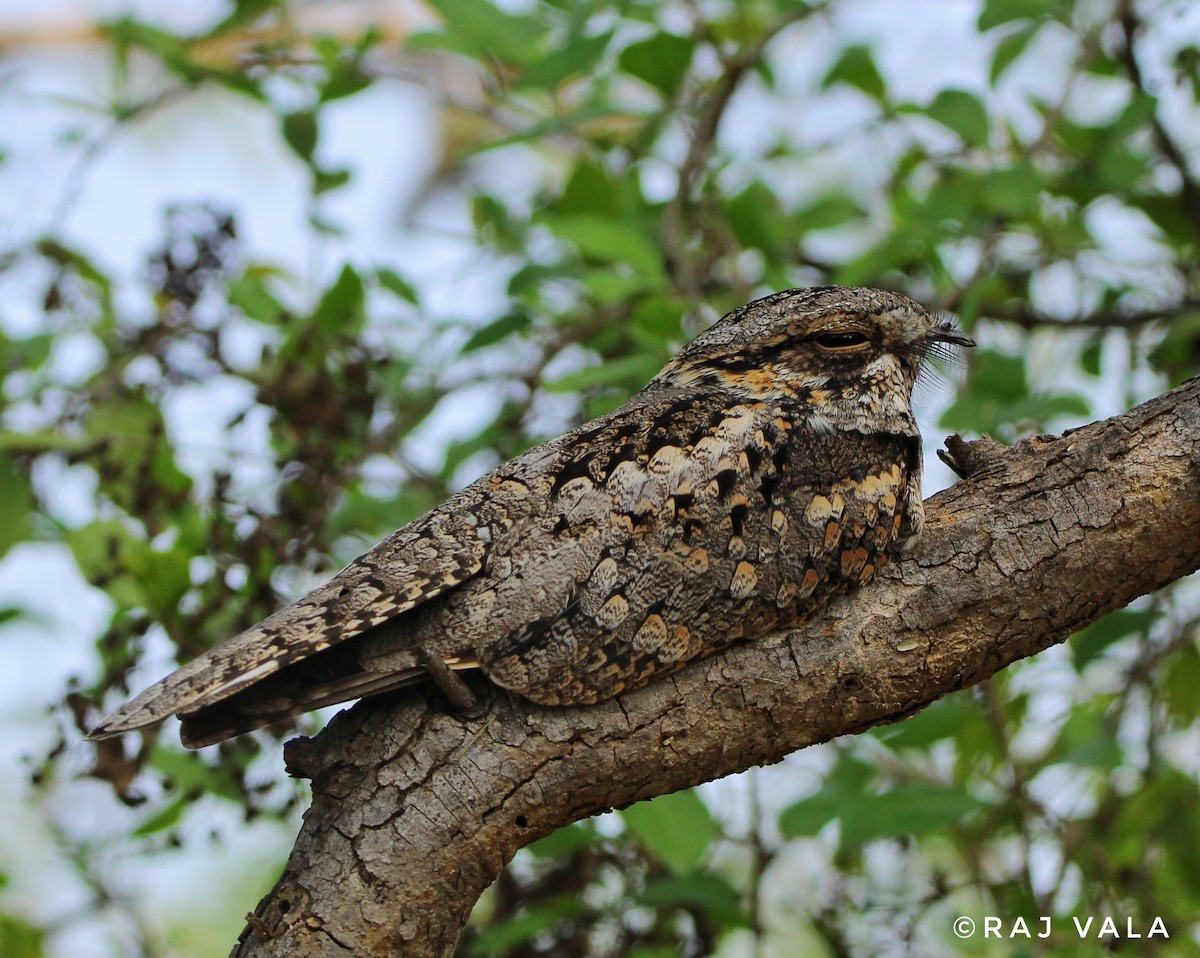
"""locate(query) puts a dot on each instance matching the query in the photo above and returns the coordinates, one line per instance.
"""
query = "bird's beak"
(946, 333)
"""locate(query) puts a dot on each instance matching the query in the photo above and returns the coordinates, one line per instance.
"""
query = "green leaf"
(1086, 739)
(661, 60)
(755, 218)
(914, 809)
(829, 212)
(19, 939)
(1160, 816)
(997, 12)
(326, 180)
(998, 375)
(1012, 191)
(1090, 643)
(1181, 686)
(347, 79)
(188, 772)
(245, 13)
(1077, 139)
(1064, 234)
(368, 519)
(526, 282)
(174, 51)
(856, 67)
(526, 925)
(1089, 357)
(96, 546)
(326, 226)
(716, 898)
(678, 828)
(610, 286)
(300, 133)
(1186, 64)
(563, 842)
(589, 189)
(1103, 65)
(27, 352)
(482, 26)
(944, 719)
(439, 41)
(104, 552)
(166, 817)
(396, 284)
(496, 330)
(982, 413)
(1042, 408)
(999, 400)
(132, 572)
(809, 816)
(1169, 215)
(249, 293)
(963, 113)
(1009, 49)
(16, 504)
(344, 66)
(660, 317)
(611, 241)
(628, 372)
(492, 220)
(135, 461)
(903, 250)
(1120, 169)
(1178, 352)
(81, 266)
(574, 57)
(341, 308)
(952, 200)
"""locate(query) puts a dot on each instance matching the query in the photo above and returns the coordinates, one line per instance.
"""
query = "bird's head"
(853, 355)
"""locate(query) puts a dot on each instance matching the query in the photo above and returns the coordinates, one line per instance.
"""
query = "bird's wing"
(424, 559)
(752, 524)
(543, 536)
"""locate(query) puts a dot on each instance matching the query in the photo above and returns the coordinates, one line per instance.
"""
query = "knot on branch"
(981, 457)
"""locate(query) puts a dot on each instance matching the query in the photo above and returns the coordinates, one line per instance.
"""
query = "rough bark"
(416, 810)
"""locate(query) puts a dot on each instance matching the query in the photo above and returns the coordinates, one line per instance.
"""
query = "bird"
(773, 464)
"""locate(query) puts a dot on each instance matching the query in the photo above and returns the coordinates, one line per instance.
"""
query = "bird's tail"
(258, 707)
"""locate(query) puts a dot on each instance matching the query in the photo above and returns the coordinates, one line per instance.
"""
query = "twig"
(1022, 315)
(686, 277)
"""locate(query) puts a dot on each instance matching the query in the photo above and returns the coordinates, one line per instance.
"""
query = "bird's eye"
(846, 340)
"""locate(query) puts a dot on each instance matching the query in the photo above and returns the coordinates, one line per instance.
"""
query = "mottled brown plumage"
(770, 466)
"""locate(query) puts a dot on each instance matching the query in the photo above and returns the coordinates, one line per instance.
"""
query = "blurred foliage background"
(206, 432)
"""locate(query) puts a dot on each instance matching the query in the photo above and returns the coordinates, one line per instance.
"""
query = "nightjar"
(773, 464)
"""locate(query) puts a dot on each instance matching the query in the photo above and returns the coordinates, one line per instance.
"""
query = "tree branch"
(1027, 318)
(415, 811)
(1189, 189)
(711, 110)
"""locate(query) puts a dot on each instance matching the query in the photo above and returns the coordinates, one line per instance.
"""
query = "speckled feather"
(761, 473)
